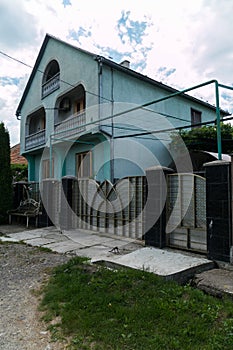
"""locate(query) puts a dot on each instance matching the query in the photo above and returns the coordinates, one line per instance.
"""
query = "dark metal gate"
(186, 212)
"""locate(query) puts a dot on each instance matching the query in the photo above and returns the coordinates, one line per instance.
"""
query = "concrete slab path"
(112, 250)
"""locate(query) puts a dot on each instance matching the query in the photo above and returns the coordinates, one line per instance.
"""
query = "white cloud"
(17, 26)
(181, 43)
(212, 45)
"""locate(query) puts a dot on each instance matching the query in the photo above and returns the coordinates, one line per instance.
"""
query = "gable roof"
(111, 64)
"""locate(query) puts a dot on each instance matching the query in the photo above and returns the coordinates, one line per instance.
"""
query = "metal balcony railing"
(35, 140)
(51, 85)
(71, 126)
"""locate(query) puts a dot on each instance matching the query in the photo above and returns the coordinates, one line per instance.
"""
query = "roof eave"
(34, 70)
(156, 83)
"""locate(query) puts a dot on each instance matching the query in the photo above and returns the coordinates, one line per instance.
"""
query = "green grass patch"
(98, 308)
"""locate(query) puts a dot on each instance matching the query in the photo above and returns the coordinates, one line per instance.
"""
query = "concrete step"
(217, 282)
(166, 263)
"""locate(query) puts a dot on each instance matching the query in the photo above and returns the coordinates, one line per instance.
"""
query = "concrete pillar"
(155, 208)
(50, 203)
(67, 202)
(219, 210)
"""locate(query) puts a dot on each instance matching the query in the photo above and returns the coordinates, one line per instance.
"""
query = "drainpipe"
(112, 133)
(100, 82)
(100, 93)
(50, 157)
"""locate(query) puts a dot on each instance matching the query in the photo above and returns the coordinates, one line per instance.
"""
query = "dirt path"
(23, 269)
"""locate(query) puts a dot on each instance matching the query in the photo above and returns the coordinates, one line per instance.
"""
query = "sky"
(177, 42)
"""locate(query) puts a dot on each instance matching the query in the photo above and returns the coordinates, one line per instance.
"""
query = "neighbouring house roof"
(198, 158)
(225, 157)
(110, 63)
(16, 158)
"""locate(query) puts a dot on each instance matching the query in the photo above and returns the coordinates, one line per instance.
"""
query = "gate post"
(67, 202)
(219, 210)
(155, 208)
(50, 202)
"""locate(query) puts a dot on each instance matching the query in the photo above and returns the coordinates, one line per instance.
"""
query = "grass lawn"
(98, 308)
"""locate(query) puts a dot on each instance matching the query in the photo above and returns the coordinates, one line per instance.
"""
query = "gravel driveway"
(22, 271)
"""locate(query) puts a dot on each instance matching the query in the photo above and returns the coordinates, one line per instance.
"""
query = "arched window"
(51, 78)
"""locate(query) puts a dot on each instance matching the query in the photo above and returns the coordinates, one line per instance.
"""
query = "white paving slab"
(8, 239)
(81, 234)
(42, 241)
(87, 239)
(161, 262)
(25, 235)
(64, 247)
(120, 243)
(95, 253)
(98, 246)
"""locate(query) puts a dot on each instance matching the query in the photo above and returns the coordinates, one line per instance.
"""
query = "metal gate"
(106, 207)
(186, 212)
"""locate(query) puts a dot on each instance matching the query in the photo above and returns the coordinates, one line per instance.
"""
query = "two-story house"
(84, 115)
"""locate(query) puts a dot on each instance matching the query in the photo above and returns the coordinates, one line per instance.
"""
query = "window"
(195, 118)
(51, 71)
(51, 78)
(46, 169)
(84, 164)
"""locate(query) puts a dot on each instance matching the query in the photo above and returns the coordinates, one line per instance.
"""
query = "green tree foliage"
(205, 138)
(5, 174)
(19, 172)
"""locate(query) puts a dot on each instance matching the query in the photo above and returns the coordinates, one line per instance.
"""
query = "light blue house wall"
(112, 128)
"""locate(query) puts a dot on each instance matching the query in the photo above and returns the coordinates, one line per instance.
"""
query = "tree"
(19, 172)
(5, 174)
(205, 138)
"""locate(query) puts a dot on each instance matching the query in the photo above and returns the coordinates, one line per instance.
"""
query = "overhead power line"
(15, 59)
(42, 72)
(144, 133)
(143, 106)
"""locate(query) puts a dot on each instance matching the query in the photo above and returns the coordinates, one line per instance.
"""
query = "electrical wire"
(168, 129)
(143, 106)
(42, 72)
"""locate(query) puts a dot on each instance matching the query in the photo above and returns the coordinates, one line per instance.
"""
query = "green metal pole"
(219, 141)
(50, 156)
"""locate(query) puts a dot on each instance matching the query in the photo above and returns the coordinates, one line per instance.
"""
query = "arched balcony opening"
(70, 113)
(51, 78)
(35, 129)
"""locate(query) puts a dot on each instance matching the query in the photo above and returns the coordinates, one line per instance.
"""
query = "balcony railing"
(35, 140)
(71, 126)
(51, 85)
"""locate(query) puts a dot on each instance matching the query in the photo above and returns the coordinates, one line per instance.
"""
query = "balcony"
(51, 85)
(35, 140)
(71, 126)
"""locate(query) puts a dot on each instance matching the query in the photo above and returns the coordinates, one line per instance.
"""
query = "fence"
(129, 207)
(117, 209)
(186, 211)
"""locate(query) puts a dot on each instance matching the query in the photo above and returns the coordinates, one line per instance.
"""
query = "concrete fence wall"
(219, 211)
(136, 206)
